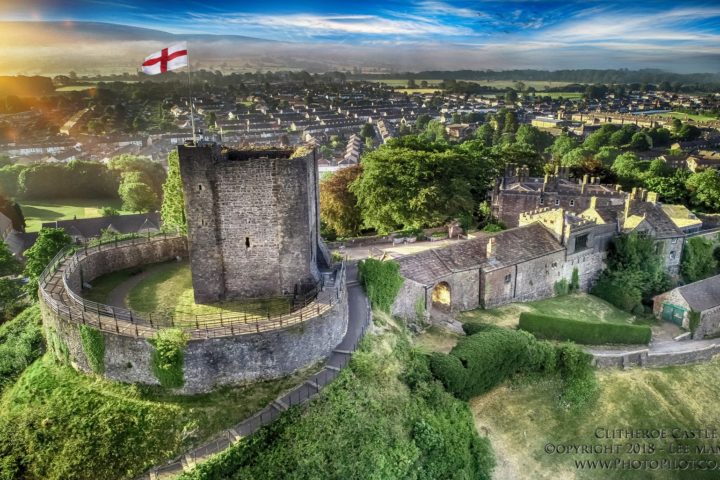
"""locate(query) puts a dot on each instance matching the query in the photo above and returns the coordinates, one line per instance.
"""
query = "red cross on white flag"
(170, 58)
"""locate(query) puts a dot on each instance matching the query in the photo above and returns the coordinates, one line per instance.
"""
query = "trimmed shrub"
(450, 371)
(580, 386)
(93, 344)
(381, 281)
(484, 360)
(574, 281)
(473, 328)
(561, 287)
(168, 357)
(580, 331)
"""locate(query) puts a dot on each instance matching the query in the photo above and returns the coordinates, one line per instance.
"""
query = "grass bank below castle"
(522, 416)
(56, 423)
(579, 306)
(384, 417)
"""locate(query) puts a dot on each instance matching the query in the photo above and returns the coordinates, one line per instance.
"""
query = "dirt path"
(118, 296)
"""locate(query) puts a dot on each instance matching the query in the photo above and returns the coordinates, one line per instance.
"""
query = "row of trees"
(136, 180)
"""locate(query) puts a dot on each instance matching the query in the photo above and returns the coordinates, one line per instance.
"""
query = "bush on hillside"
(580, 331)
(483, 360)
(57, 424)
(372, 423)
(168, 357)
(21, 343)
(381, 281)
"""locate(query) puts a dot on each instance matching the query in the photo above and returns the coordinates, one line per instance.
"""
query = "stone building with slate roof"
(515, 265)
(702, 297)
(516, 193)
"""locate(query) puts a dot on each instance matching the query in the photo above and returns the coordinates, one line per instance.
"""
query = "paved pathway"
(665, 346)
(358, 321)
(118, 295)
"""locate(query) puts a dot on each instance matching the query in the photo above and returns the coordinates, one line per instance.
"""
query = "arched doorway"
(441, 297)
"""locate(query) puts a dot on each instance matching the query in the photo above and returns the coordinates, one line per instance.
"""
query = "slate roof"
(93, 227)
(18, 242)
(702, 295)
(513, 246)
(653, 213)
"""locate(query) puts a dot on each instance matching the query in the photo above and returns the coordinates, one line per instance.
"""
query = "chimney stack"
(593, 202)
(490, 253)
(652, 197)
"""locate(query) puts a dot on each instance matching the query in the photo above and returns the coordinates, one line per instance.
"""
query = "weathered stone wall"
(709, 324)
(405, 302)
(531, 280)
(111, 259)
(213, 362)
(252, 223)
(590, 264)
(645, 358)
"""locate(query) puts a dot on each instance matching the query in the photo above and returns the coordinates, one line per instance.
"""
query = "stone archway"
(441, 299)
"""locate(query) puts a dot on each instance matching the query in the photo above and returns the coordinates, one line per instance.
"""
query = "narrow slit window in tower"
(247, 242)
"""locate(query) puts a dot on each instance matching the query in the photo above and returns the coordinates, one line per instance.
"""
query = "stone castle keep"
(252, 232)
(252, 219)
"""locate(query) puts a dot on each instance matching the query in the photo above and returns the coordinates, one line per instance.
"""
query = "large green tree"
(704, 189)
(421, 186)
(338, 205)
(137, 196)
(49, 242)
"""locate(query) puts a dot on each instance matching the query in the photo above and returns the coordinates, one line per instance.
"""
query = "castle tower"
(252, 217)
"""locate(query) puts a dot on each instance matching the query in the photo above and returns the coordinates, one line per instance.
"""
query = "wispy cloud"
(445, 9)
(322, 25)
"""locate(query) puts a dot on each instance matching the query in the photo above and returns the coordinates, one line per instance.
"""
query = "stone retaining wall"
(646, 358)
(208, 363)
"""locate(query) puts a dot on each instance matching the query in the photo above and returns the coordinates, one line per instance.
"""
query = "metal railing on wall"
(71, 306)
(297, 396)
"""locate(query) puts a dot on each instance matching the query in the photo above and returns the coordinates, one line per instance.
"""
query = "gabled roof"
(513, 246)
(702, 295)
(93, 227)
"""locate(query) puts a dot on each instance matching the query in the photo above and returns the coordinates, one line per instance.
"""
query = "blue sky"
(626, 31)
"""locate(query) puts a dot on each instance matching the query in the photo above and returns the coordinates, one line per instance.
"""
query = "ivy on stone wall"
(56, 345)
(93, 343)
(381, 281)
(167, 360)
(694, 320)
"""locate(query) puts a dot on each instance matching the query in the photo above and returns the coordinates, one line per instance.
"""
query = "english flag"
(170, 58)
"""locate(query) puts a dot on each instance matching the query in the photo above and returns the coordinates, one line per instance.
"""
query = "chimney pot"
(491, 247)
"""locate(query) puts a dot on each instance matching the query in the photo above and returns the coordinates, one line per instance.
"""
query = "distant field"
(555, 95)
(420, 91)
(685, 116)
(537, 85)
(74, 88)
(38, 211)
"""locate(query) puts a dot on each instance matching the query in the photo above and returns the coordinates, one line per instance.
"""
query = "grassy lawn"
(419, 91)
(520, 419)
(59, 424)
(167, 288)
(436, 339)
(579, 306)
(685, 116)
(38, 211)
(554, 95)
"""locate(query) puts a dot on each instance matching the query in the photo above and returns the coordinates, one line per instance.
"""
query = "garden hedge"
(580, 331)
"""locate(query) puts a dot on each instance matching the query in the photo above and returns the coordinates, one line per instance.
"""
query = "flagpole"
(192, 114)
